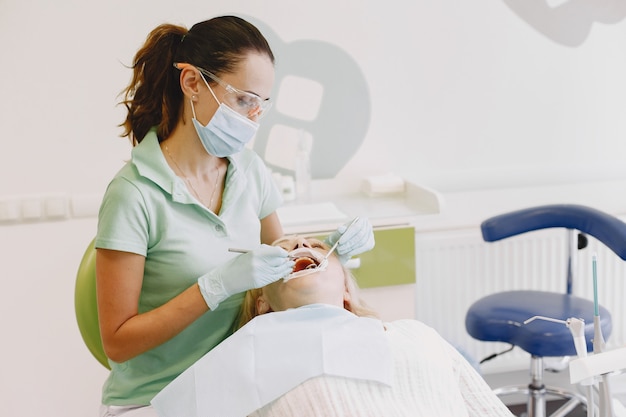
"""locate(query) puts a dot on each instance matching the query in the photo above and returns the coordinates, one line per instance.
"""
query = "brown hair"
(249, 311)
(153, 97)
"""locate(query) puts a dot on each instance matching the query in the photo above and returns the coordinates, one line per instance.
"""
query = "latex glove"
(254, 269)
(357, 239)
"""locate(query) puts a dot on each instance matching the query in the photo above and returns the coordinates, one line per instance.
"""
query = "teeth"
(307, 262)
(304, 263)
(306, 253)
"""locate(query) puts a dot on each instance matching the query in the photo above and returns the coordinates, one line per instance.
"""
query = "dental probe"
(324, 262)
(240, 250)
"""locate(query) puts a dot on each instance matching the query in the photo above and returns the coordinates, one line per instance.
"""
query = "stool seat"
(500, 318)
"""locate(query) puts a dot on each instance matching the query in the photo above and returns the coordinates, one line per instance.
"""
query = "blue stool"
(499, 317)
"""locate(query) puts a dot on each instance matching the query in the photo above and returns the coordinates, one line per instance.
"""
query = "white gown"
(321, 360)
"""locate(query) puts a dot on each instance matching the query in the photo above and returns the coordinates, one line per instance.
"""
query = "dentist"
(168, 288)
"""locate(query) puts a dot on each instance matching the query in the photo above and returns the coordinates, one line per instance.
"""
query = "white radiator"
(455, 268)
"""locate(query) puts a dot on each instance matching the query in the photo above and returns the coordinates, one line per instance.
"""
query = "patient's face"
(327, 286)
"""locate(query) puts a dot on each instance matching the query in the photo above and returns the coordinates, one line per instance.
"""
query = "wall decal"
(568, 22)
(320, 93)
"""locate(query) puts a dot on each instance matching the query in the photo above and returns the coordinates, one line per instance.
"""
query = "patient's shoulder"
(411, 330)
(408, 325)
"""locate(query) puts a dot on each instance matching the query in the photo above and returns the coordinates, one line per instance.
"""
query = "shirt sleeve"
(123, 219)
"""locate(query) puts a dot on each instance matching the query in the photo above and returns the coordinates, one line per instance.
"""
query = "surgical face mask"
(227, 132)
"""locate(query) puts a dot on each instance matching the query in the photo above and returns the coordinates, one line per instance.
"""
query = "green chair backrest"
(85, 304)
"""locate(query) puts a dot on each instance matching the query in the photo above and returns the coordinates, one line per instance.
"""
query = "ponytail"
(153, 97)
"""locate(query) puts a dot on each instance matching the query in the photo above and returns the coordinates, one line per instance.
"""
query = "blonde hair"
(355, 305)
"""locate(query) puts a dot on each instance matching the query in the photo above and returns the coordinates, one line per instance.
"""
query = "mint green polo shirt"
(148, 210)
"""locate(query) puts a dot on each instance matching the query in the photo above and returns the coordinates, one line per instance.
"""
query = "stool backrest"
(606, 228)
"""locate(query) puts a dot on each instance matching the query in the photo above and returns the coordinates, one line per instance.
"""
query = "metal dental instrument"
(240, 250)
(324, 262)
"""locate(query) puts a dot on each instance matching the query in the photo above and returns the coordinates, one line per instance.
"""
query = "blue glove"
(254, 269)
(353, 240)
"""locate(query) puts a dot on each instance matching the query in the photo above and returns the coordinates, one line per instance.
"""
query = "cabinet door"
(391, 262)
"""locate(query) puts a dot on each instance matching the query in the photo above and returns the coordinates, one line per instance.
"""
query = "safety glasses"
(243, 102)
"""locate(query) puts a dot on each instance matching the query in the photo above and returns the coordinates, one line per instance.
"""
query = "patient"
(310, 347)
(334, 286)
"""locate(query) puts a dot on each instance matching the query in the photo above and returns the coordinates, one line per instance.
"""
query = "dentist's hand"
(254, 269)
(353, 240)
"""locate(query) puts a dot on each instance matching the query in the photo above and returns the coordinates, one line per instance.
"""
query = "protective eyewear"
(243, 102)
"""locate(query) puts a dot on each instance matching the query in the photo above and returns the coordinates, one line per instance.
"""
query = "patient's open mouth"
(305, 263)
(306, 259)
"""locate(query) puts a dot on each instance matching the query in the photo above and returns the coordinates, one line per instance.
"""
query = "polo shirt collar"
(151, 164)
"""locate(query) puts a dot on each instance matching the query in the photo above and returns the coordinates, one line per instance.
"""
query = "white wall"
(464, 95)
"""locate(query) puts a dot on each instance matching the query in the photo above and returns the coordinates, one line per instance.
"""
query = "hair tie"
(183, 38)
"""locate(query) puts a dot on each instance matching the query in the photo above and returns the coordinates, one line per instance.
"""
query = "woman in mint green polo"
(168, 288)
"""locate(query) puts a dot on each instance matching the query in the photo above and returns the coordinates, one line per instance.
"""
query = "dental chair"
(86, 307)
(499, 317)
